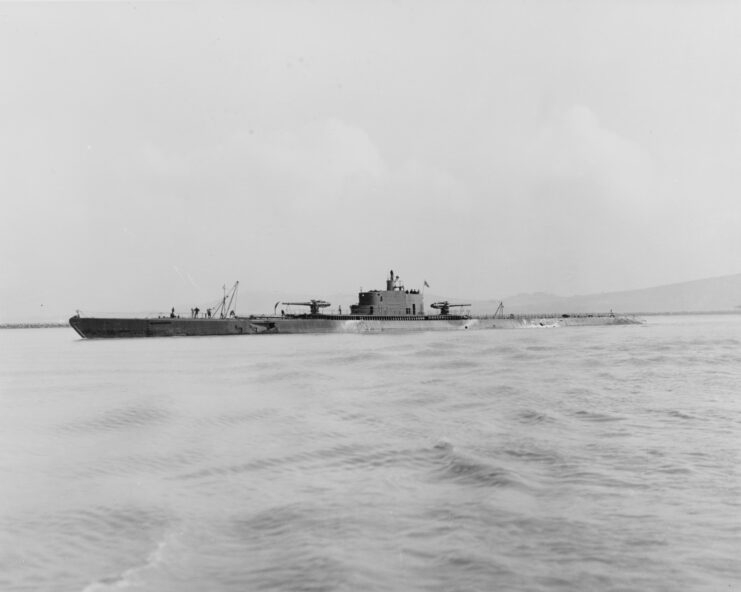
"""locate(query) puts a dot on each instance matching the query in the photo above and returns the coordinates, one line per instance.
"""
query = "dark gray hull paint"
(96, 328)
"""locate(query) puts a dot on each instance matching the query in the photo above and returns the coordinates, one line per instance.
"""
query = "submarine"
(394, 309)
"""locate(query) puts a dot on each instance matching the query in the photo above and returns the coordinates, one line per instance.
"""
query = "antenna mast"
(233, 298)
(223, 310)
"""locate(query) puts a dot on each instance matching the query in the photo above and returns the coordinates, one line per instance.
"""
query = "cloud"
(575, 147)
(580, 189)
(323, 166)
(315, 164)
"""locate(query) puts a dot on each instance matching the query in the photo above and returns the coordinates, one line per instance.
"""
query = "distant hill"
(707, 295)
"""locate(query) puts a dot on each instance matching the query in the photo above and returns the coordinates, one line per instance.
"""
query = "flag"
(426, 284)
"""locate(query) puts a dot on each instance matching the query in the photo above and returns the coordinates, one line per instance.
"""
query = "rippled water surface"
(599, 458)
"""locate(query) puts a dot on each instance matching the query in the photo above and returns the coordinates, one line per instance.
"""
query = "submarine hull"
(93, 328)
(96, 327)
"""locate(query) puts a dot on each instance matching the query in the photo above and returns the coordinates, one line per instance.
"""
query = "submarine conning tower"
(395, 300)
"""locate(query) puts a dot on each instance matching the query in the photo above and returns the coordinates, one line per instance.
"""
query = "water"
(599, 458)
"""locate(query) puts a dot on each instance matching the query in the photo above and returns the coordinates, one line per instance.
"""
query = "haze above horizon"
(151, 152)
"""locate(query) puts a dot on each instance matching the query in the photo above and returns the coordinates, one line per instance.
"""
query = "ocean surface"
(603, 458)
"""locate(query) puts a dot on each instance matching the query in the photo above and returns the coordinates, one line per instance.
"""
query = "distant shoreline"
(685, 313)
(46, 325)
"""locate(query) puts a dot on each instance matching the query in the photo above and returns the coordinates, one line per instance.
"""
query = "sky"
(152, 152)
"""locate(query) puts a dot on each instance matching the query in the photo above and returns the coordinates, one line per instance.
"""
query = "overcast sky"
(151, 152)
